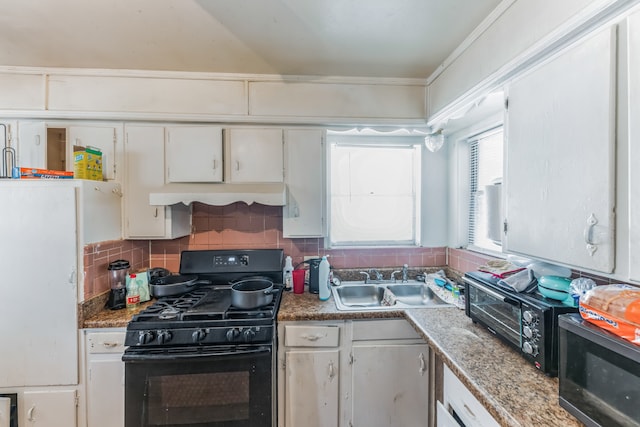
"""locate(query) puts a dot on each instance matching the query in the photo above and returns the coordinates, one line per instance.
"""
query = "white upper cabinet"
(32, 145)
(560, 150)
(304, 175)
(254, 155)
(633, 161)
(145, 172)
(194, 154)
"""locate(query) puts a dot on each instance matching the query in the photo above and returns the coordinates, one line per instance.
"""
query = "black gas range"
(198, 344)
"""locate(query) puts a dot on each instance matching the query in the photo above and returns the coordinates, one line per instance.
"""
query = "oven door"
(204, 386)
(495, 310)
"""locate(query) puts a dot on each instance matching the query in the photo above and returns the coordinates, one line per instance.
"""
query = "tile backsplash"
(97, 257)
(257, 226)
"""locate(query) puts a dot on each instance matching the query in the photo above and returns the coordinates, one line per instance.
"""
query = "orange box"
(35, 173)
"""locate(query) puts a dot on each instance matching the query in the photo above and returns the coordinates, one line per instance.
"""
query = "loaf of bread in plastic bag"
(615, 308)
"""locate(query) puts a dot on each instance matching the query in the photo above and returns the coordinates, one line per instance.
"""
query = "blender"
(118, 271)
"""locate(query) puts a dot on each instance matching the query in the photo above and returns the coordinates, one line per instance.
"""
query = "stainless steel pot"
(174, 285)
(252, 293)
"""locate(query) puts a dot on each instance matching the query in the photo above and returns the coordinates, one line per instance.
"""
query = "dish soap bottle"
(323, 279)
(287, 274)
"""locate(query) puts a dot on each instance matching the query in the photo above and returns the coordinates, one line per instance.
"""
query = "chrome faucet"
(405, 273)
(376, 273)
(393, 276)
(366, 276)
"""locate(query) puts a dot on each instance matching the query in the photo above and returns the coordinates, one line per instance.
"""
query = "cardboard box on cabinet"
(87, 163)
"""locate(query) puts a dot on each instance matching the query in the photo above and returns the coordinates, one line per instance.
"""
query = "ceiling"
(364, 38)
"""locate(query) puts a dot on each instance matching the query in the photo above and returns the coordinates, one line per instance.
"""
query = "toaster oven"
(528, 322)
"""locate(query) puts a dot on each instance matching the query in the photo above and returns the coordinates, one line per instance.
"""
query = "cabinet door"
(49, 408)
(255, 155)
(105, 379)
(102, 137)
(634, 146)
(144, 162)
(311, 397)
(303, 216)
(194, 154)
(560, 158)
(390, 385)
(38, 249)
(32, 145)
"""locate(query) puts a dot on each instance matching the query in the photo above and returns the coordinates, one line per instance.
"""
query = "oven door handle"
(496, 295)
(138, 356)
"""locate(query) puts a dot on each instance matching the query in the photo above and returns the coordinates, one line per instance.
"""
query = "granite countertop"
(512, 390)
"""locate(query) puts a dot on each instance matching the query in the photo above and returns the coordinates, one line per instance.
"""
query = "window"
(374, 190)
(485, 181)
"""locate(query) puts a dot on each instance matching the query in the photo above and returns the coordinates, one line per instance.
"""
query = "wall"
(257, 226)
(523, 30)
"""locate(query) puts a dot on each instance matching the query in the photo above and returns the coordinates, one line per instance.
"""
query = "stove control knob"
(529, 348)
(248, 335)
(198, 335)
(529, 316)
(145, 337)
(232, 334)
(530, 332)
(164, 337)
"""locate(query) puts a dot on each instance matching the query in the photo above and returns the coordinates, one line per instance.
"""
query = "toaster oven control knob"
(529, 348)
(530, 316)
(232, 334)
(530, 332)
(164, 337)
(248, 335)
(198, 335)
(145, 337)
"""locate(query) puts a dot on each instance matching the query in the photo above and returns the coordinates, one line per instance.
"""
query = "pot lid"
(118, 265)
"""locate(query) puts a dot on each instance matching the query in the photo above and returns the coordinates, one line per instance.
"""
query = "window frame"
(468, 141)
(377, 140)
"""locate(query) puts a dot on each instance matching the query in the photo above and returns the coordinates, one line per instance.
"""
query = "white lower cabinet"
(389, 375)
(390, 385)
(309, 373)
(104, 377)
(458, 400)
(49, 408)
(352, 373)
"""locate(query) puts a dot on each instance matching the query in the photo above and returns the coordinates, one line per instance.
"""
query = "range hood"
(222, 194)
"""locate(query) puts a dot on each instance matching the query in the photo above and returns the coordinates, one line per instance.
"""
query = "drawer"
(393, 329)
(105, 342)
(459, 399)
(311, 336)
(444, 418)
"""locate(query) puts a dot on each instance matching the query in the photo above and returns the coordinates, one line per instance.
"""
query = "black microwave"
(599, 374)
(526, 321)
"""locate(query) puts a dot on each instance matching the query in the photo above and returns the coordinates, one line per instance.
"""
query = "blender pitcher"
(118, 271)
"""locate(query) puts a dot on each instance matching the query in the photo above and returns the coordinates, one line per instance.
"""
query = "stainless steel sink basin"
(358, 296)
(416, 295)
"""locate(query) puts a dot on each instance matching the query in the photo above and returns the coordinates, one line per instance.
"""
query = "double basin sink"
(362, 296)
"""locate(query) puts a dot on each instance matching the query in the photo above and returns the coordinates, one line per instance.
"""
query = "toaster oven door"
(498, 312)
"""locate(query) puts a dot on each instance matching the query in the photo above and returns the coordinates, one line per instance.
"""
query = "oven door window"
(221, 387)
(500, 315)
